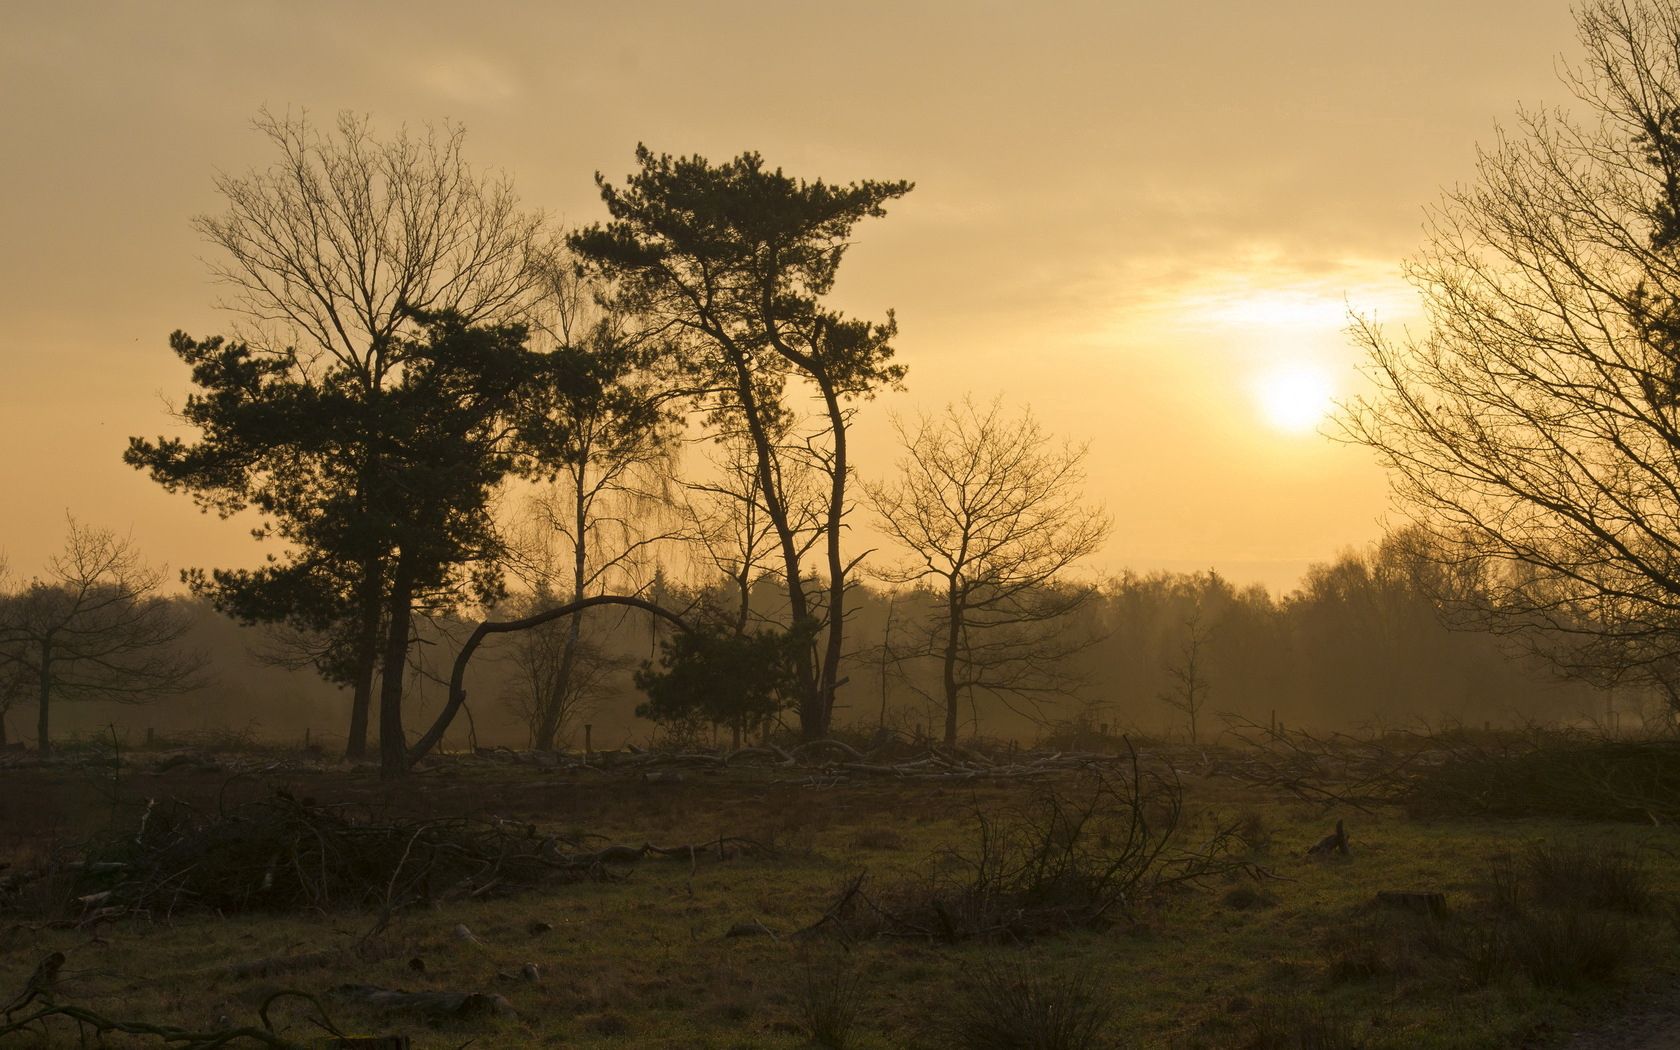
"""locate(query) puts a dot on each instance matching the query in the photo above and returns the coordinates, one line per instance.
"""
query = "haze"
(1146, 221)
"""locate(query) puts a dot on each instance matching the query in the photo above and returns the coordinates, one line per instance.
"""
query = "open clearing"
(640, 954)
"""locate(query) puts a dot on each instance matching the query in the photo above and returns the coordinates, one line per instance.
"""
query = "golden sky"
(1145, 219)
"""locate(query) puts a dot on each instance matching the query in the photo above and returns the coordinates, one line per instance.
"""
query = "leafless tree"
(330, 249)
(1533, 430)
(94, 628)
(727, 526)
(991, 511)
(610, 506)
(1189, 689)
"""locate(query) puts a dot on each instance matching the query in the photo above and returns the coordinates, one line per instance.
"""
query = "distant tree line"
(1358, 644)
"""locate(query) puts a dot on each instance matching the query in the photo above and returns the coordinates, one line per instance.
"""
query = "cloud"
(468, 79)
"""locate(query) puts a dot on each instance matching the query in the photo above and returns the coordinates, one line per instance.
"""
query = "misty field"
(832, 897)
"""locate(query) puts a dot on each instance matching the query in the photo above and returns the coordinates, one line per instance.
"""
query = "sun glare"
(1294, 398)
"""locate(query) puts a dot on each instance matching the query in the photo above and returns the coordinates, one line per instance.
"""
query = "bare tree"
(991, 511)
(595, 524)
(725, 521)
(1189, 689)
(1533, 431)
(328, 254)
(94, 628)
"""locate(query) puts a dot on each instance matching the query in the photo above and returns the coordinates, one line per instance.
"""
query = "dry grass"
(644, 962)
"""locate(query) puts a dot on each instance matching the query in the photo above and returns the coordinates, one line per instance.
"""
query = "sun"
(1295, 397)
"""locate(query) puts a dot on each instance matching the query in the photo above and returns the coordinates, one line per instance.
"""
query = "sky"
(1147, 221)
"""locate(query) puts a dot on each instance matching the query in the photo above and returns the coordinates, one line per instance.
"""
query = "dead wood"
(1080, 855)
(184, 1038)
(42, 984)
(282, 854)
(1334, 843)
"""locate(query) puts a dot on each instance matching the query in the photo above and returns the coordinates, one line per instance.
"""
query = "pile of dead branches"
(1080, 856)
(833, 761)
(283, 854)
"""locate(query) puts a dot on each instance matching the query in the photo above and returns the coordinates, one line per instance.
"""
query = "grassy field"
(1549, 925)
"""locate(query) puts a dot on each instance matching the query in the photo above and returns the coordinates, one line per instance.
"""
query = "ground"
(1301, 956)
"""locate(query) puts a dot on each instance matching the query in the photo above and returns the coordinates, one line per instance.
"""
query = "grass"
(643, 962)
(1010, 1006)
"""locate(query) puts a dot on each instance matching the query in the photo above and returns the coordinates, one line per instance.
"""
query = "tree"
(724, 519)
(614, 454)
(465, 414)
(718, 676)
(990, 510)
(95, 628)
(330, 255)
(734, 261)
(1533, 431)
(1188, 692)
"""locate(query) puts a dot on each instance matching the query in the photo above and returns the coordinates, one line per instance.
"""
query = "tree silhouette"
(94, 628)
(329, 254)
(990, 510)
(467, 411)
(1188, 692)
(596, 521)
(733, 261)
(1533, 432)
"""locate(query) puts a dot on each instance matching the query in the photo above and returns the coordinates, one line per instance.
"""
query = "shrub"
(1300, 1025)
(1075, 857)
(830, 994)
(1570, 948)
(1581, 876)
(1010, 1007)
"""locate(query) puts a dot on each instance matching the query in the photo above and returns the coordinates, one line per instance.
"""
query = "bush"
(1547, 917)
(1078, 857)
(1570, 948)
(1010, 1007)
(1551, 774)
(1299, 1025)
(1583, 876)
(830, 995)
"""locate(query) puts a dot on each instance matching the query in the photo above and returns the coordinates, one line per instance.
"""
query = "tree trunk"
(811, 705)
(367, 658)
(836, 561)
(393, 746)
(953, 634)
(743, 612)
(43, 741)
(549, 728)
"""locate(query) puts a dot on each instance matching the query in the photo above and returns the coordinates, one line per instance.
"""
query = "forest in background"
(1356, 646)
